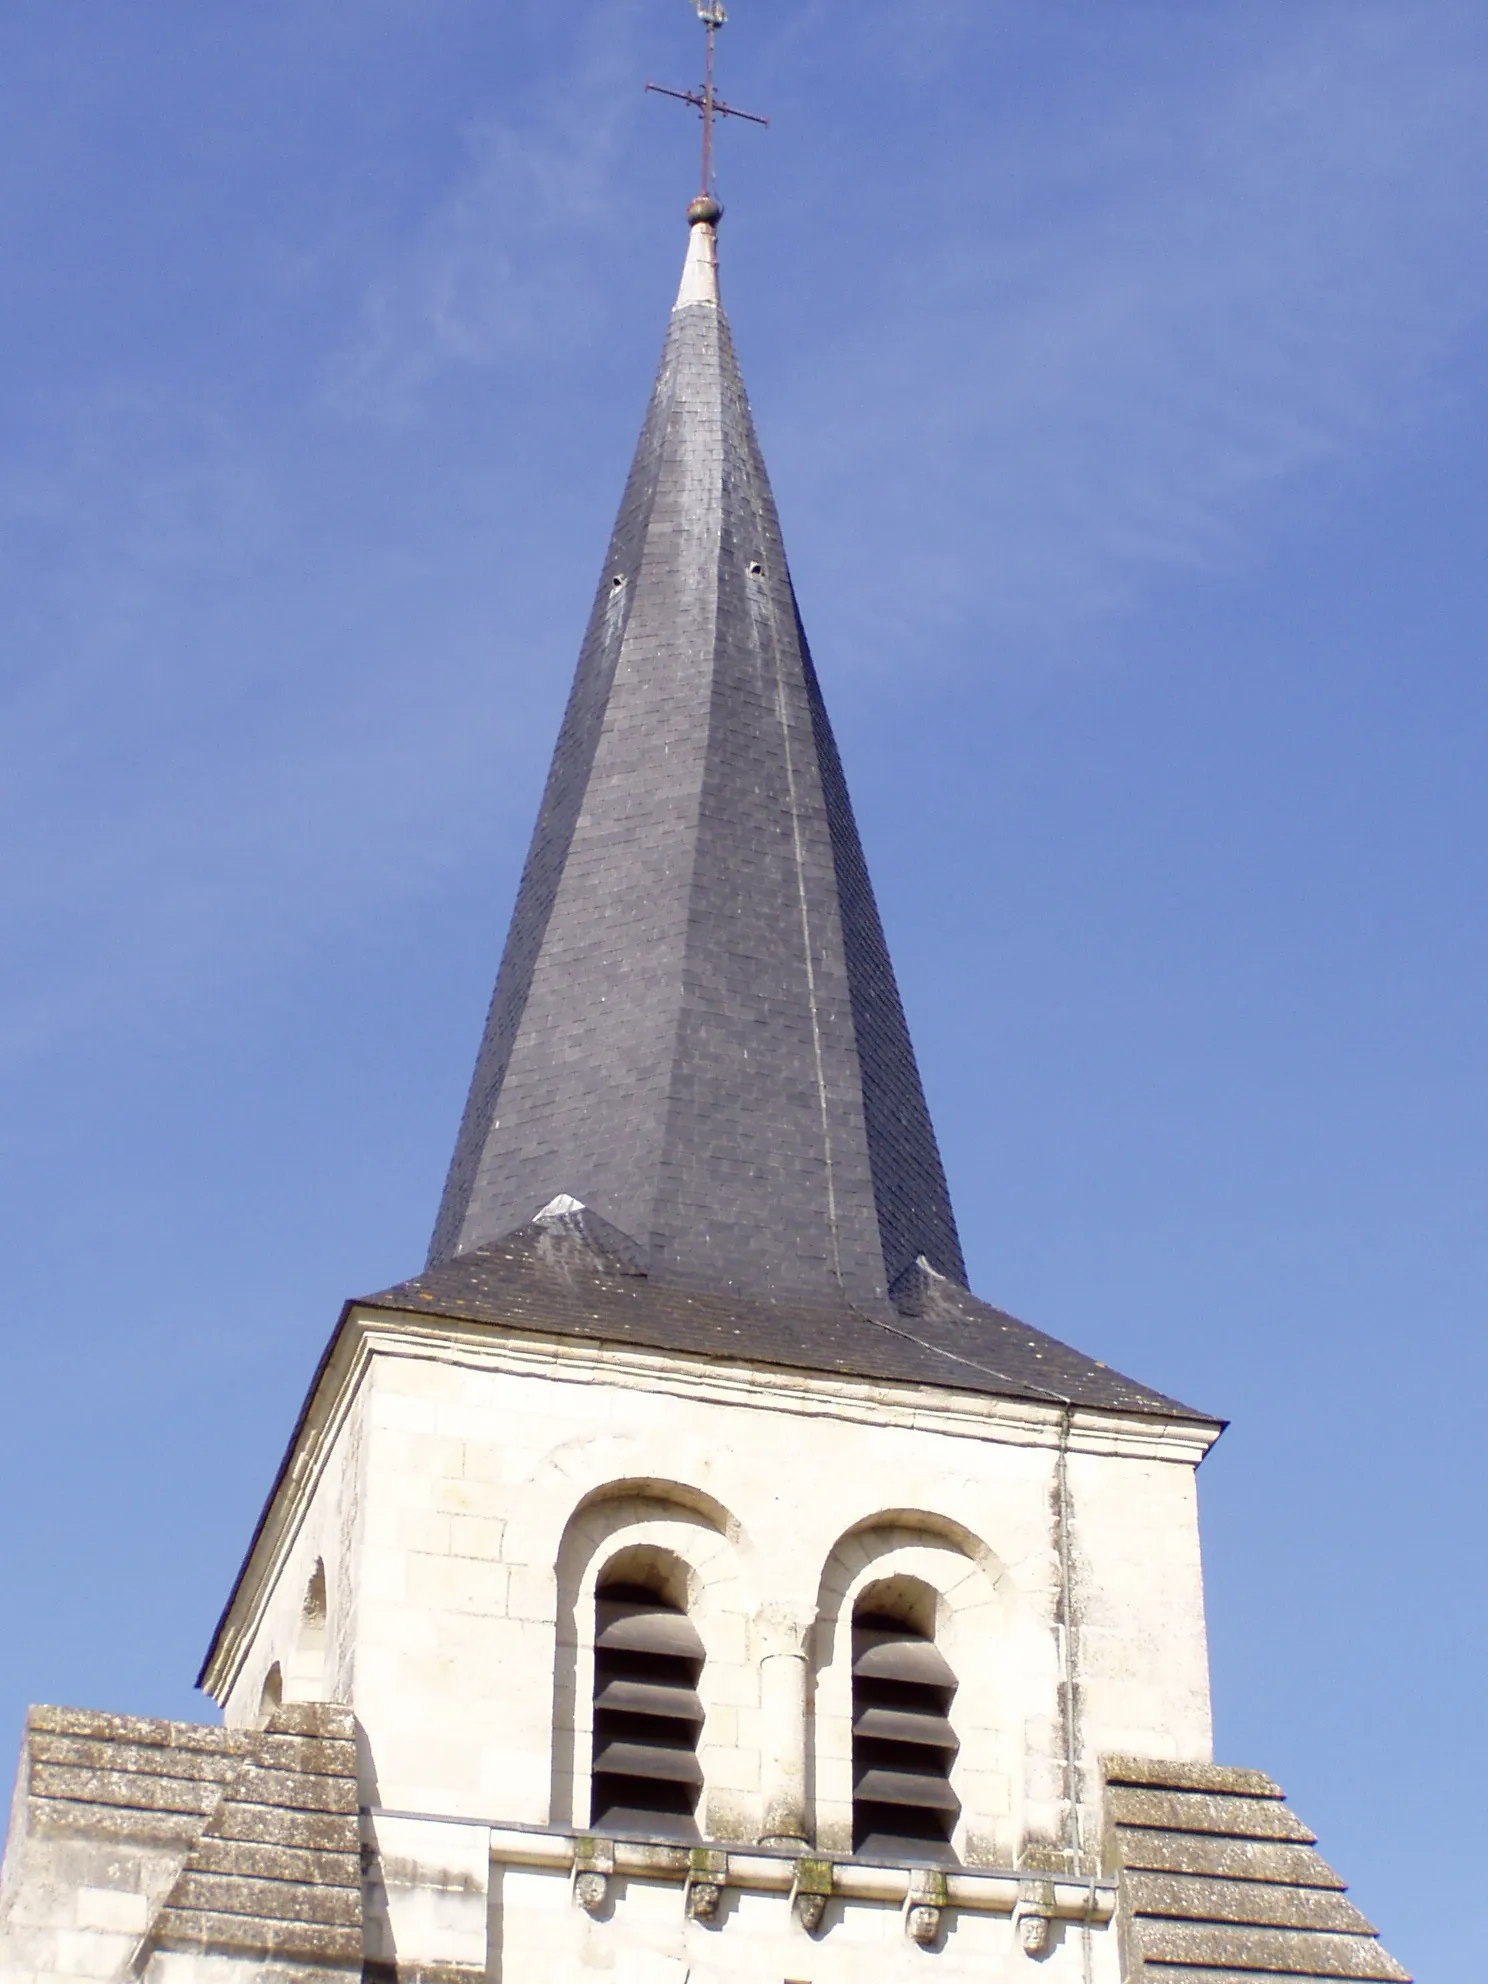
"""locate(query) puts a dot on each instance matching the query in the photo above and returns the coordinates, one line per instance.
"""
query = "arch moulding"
(958, 1590)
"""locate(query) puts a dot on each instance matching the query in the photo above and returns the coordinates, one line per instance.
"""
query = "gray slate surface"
(573, 1274)
(1219, 1882)
(696, 1028)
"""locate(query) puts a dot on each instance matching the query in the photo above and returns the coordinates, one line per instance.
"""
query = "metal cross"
(706, 101)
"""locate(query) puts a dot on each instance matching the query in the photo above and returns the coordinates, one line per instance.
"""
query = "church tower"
(685, 1576)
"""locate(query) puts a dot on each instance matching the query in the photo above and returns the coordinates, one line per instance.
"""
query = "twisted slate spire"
(696, 1030)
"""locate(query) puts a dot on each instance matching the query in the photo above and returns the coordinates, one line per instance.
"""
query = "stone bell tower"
(686, 1576)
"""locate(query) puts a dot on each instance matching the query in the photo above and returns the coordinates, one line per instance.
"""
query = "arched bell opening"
(903, 1742)
(648, 1716)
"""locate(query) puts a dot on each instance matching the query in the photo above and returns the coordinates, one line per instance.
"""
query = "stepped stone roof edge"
(1218, 1881)
(238, 1844)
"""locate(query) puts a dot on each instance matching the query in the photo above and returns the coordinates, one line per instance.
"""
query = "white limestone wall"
(462, 1903)
(473, 1487)
(1142, 1668)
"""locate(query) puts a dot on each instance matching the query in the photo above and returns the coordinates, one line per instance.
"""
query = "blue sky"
(1122, 374)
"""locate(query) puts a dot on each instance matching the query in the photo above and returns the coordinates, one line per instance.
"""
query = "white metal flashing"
(700, 270)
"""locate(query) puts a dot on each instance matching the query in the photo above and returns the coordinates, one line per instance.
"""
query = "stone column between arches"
(782, 1641)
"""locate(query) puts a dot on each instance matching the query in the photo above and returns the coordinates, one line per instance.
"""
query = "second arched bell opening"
(903, 1743)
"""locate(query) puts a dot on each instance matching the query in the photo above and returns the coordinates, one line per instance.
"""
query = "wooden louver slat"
(902, 1787)
(679, 1704)
(645, 1626)
(907, 1725)
(660, 1760)
(647, 1715)
(895, 1654)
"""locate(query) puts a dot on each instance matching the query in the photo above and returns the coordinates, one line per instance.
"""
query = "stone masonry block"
(463, 1495)
(730, 1770)
(477, 1536)
(533, 1595)
(458, 1584)
(236, 1894)
(301, 1791)
(403, 1412)
(121, 1913)
(420, 1530)
(276, 1863)
(190, 1929)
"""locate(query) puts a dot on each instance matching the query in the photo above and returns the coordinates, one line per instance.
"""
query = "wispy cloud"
(1222, 287)
(1143, 332)
(222, 737)
(230, 665)
(510, 262)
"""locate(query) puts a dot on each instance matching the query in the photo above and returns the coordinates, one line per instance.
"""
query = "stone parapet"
(172, 1852)
(1220, 1882)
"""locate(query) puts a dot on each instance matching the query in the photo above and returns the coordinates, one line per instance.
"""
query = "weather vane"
(706, 101)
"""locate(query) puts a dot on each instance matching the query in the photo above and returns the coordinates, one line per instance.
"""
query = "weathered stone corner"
(136, 1842)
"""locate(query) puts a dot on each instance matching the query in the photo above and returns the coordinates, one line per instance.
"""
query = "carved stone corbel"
(811, 1889)
(1033, 1917)
(924, 1898)
(593, 1869)
(707, 1876)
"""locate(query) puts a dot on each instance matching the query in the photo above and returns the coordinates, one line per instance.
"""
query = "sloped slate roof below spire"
(696, 1028)
(570, 1273)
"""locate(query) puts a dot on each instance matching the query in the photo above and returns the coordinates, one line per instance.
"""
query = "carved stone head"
(810, 1908)
(923, 1923)
(590, 1890)
(703, 1898)
(1033, 1933)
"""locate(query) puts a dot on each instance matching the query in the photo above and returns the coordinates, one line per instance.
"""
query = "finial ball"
(704, 208)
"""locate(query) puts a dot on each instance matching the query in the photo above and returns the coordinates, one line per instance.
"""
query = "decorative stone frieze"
(1033, 1917)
